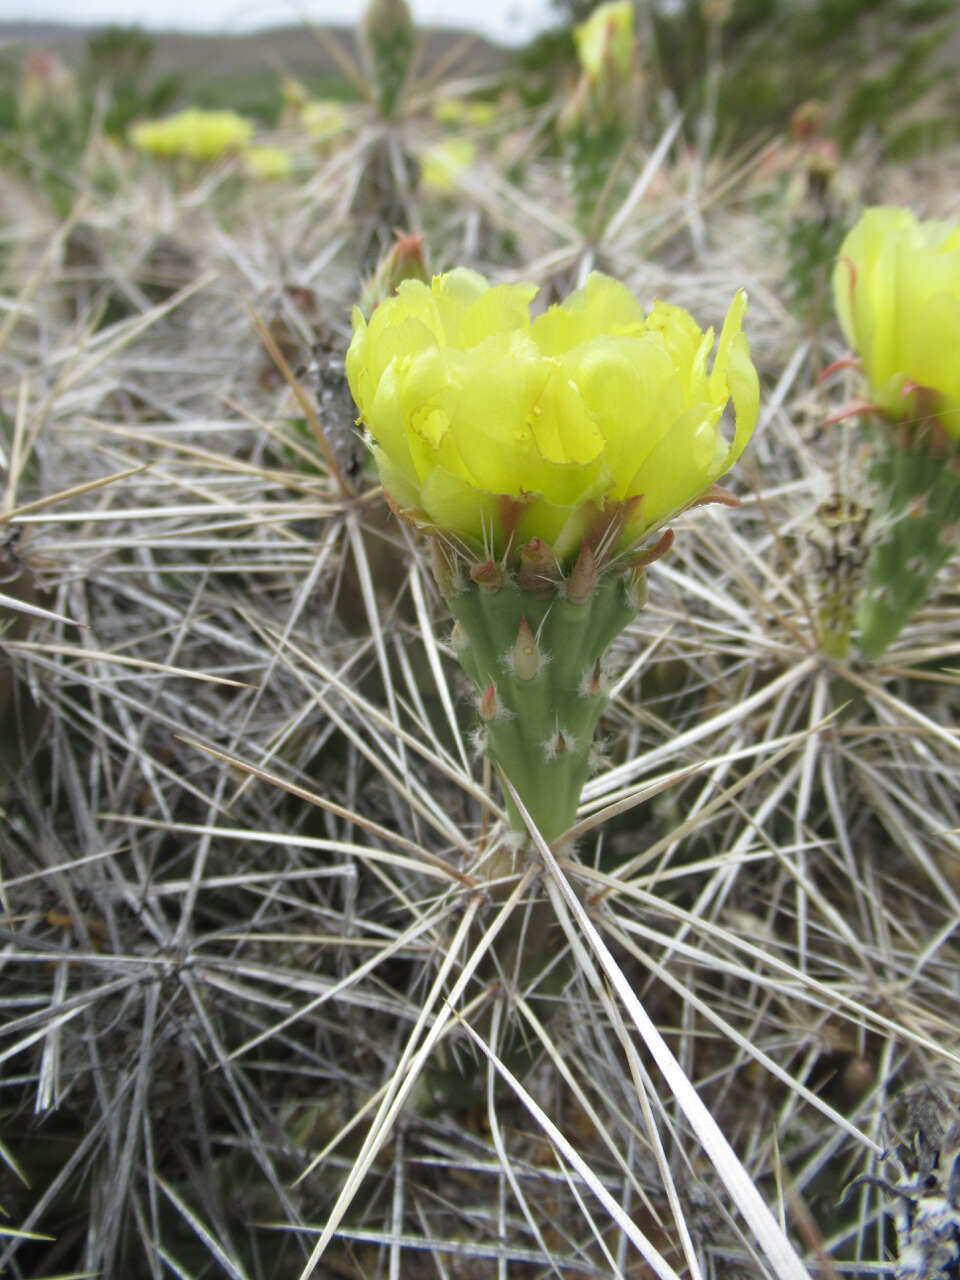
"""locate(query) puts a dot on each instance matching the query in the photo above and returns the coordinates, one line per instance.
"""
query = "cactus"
(389, 37)
(598, 118)
(541, 454)
(896, 288)
(916, 477)
(534, 651)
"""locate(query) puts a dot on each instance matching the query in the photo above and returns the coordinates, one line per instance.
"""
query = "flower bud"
(48, 91)
(404, 260)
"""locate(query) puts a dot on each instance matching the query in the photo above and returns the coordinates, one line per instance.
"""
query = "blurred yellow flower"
(264, 161)
(324, 117)
(593, 420)
(896, 287)
(193, 134)
(444, 164)
(605, 41)
(458, 111)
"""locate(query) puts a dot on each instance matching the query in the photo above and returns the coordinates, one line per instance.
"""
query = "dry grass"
(262, 936)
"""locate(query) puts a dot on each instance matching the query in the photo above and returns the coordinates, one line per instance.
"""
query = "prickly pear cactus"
(916, 478)
(534, 645)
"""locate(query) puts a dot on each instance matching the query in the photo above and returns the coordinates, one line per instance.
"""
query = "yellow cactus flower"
(460, 112)
(264, 161)
(324, 117)
(193, 134)
(592, 421)
(896, 287)
(605, 41)
(444, 164)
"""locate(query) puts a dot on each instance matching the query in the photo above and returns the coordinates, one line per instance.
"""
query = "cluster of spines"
(840, 545)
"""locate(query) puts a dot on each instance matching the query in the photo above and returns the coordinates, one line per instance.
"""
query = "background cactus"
(916, 477)
(896, 285)
(389, 39)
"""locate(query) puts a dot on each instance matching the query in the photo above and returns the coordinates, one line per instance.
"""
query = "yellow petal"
(502, 431)
(896, 289)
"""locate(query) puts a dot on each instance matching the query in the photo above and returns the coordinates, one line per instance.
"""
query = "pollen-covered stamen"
(488, 576)
(526, 656)
(583, 576)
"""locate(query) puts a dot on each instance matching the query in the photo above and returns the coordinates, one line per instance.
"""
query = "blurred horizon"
(509, 22)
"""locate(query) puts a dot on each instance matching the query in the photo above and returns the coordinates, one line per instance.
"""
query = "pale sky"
(509, 21)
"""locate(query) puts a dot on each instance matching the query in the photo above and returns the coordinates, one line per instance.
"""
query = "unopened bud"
(404, 260)
(488, 576)
(527, 658)
(583, 576)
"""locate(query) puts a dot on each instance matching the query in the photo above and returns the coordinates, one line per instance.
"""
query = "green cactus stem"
(593, 153)
(535, 655)
(916, 476)
(390, 40)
